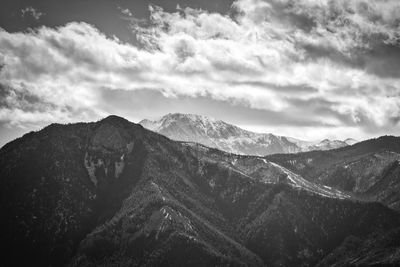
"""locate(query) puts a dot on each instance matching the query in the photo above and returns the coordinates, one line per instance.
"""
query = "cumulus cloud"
(296, 58)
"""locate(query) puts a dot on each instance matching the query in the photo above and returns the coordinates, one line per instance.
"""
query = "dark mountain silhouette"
(112, 193)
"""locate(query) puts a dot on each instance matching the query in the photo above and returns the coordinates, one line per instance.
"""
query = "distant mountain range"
(112, 193)
(233, 139)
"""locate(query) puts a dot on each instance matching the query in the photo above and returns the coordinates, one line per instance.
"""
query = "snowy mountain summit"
(224, 136)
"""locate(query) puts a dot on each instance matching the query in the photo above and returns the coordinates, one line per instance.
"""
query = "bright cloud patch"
(35, 13)
(332, 61)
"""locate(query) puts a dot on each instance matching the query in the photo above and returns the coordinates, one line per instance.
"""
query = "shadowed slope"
(111, 192)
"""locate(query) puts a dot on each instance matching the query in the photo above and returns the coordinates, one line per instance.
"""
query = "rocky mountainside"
(112, 193)
(230, 138)
(370, 169)
(377, 250)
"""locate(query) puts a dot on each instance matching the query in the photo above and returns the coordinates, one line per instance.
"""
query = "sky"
(310, 69)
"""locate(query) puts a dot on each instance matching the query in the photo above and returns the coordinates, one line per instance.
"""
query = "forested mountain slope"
(113, 193)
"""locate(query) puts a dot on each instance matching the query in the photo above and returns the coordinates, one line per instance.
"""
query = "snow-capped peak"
(224, 136)
(350, 141)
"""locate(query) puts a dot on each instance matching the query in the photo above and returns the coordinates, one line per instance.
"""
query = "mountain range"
(112, 193)
(369, 169)
(224, 136)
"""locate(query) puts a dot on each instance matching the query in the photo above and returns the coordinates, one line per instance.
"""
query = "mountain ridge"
(112, 193)
(369, 169)
(231, 138)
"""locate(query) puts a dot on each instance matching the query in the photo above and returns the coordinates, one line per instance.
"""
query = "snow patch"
(119, 168)
(91, 167)
(158, 190)
(299, 182)
(212, 183)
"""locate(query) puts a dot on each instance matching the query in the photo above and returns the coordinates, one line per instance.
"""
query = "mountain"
(230, 138)
(369, 169)
(326, 144)
(350, 141)
(111, 193)
(377, 250)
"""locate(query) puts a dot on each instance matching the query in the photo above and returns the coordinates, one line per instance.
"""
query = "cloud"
(125, 11)
(310, 62)
(34, 12)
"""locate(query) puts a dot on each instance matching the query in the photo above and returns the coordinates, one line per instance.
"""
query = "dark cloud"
(355, 33)
(395, 120)
(318, 51)
(287, 13)
(383, 60)
(24, 100)
(379, 59)
(60, 12)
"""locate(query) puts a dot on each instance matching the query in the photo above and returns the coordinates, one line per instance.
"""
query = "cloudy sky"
(304, 68)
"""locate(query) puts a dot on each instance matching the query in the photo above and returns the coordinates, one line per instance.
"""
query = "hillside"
(113, 193)
(369, 169)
